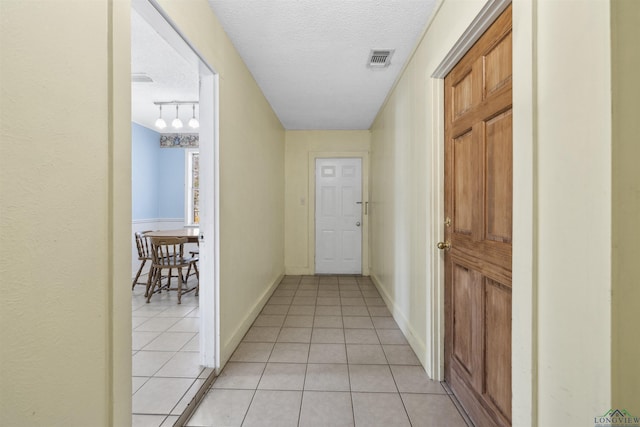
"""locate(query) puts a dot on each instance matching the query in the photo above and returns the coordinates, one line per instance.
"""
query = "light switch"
(302, 201)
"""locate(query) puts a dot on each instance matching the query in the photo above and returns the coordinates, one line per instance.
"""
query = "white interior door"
(339, 216)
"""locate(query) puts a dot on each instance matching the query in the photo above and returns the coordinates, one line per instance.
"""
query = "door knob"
(444, 245)
(358, 224)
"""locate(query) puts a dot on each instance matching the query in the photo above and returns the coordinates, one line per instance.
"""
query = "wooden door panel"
(498, 175)
(463, 184)
(462, 95)
(467, 296)
(497, 65)
(498, 346)
(462, 298)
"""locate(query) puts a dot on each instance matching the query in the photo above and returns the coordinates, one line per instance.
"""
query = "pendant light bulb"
(193, 122)
(160, 123)
(176, 123)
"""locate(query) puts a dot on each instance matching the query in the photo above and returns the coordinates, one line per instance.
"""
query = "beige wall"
(562, 178)
(65, 345)
(251, 177)
(65, 342)
(402, 153)
(574, 211)
(625, 16)
(299, 209)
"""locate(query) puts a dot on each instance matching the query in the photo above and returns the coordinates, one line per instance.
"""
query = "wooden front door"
(478, 208)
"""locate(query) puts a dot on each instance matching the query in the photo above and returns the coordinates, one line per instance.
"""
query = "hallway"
(325, 351)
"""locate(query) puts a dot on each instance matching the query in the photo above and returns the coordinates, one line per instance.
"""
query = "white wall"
(573, 71)
(301, 146)
(65, 342)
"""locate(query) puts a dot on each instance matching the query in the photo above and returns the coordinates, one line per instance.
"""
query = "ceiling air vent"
(141, 78)
(380, 58)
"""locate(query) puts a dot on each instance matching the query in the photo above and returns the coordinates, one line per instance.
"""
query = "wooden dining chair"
(168, 254)
(195, 253)
(143, 243)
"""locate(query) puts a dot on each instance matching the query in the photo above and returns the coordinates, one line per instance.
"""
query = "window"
(192, 191)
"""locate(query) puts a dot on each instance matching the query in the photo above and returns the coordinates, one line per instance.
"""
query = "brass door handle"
(444, 245)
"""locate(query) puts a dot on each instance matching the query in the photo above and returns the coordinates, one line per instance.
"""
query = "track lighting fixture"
(160, 123)
(177, 123)
(193, 122)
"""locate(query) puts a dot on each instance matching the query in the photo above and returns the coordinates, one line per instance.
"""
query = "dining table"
(191, 233)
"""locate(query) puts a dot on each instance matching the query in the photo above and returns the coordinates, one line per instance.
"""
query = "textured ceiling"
(309, 57)
(173, 78)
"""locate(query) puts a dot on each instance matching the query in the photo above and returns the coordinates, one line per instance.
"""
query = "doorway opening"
(188, 365)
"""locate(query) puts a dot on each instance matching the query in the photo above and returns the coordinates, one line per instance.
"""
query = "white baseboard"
(298, 271)
(229, 346)
(418, 345)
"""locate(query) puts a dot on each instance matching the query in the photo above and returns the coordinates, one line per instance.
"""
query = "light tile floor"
(165, 365)
(325, 351)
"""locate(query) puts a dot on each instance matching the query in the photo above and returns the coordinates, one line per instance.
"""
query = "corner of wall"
(625, 33)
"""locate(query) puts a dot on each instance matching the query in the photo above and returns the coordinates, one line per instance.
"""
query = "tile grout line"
(304, 380)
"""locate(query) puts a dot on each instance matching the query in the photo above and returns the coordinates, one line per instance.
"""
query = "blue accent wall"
(171, 183)
(157, 177)
(145, 150)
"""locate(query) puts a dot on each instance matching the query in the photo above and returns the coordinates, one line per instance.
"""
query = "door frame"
(524, 292)
(311, 237)
(209, 301)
